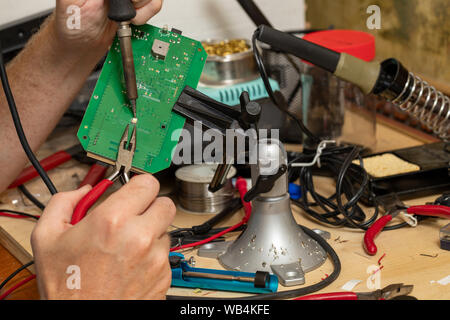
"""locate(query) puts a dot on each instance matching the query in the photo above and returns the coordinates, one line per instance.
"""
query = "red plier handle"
(124, 163)
(96, 173)
(373, 232)
(48, 164)
(89, 200)
(380, 224)
(431, 211)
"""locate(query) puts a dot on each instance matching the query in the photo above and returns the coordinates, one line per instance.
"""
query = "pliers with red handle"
(380, 224)
(124, 162)
(390, 292)
(95, 174)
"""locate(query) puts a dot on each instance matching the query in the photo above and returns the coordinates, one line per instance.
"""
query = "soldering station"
(252, 242)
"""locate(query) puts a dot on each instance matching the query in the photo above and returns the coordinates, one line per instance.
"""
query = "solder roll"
(192, 189)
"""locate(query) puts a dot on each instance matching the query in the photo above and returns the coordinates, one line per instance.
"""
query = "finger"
(160, 216)
(59, 210)
(145, 10)
(132, 199)
(140, 3)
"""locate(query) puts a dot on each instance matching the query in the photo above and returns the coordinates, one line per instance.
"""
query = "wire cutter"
(127, 148)
(392, 292)
(96, 173)
(430, 210)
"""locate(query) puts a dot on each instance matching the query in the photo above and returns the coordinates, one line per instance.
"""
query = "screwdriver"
(122, 12)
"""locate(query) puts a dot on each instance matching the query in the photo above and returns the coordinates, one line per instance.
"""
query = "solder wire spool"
(192, 189)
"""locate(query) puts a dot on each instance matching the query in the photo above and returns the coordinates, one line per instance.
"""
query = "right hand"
(121, 247)
(96, 30)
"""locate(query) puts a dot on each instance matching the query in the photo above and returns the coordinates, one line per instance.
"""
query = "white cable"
(316, 159)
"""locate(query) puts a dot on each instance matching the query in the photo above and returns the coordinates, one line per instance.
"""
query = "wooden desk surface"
(412, 256)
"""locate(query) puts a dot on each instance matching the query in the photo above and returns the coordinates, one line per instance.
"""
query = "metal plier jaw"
(125, 155)
(390, 292)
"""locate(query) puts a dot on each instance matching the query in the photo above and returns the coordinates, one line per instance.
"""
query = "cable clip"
(409, 219)
(316, 159)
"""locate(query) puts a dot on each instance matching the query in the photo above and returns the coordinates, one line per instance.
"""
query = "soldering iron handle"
(121, 10)
(372, 233)
(317, 55)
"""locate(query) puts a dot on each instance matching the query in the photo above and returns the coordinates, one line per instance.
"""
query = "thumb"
(59, 210)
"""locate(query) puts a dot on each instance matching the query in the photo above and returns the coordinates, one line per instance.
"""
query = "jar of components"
(333, 109)
(229, 62)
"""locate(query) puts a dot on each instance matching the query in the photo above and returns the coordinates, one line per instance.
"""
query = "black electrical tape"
(121, 10)
(261, 279)
(317, 55)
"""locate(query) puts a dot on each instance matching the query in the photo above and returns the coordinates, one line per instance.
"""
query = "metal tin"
(229, 69)
(192, 189)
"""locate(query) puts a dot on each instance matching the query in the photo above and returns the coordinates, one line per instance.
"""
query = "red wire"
(241, 185)
(18, 285)
(15, 216)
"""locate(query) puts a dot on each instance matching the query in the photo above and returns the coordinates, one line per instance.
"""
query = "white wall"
(12, 10)
(200, 19)
(203, 19)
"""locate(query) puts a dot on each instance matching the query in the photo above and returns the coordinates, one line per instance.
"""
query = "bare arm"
(121, 249)
(50, 71)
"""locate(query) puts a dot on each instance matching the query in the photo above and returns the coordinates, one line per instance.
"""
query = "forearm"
(45, 79)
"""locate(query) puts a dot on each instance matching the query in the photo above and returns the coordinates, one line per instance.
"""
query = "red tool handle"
(95, 175)
(430, 210)
(48, 164)
(372, 233)
(331, 296)
(89, 200)
(241, 186)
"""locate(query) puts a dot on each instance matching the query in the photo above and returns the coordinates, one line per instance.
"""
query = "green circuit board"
(165, 63)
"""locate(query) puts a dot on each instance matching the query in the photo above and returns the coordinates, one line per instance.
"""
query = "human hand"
(121, 248)
(96, 30)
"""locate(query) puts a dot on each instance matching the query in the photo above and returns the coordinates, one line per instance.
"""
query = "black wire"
(12, 275)
(276, 102)
(339, 161)
(31, 197)
(20, 214)
(19, 129)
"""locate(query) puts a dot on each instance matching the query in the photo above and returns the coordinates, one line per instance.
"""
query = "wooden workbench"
(412, 255)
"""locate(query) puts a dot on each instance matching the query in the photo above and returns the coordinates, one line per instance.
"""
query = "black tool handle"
(121, 10)
(254, 12)
(317, 55)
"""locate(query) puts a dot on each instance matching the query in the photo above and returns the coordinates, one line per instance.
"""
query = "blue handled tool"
(185, 276)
